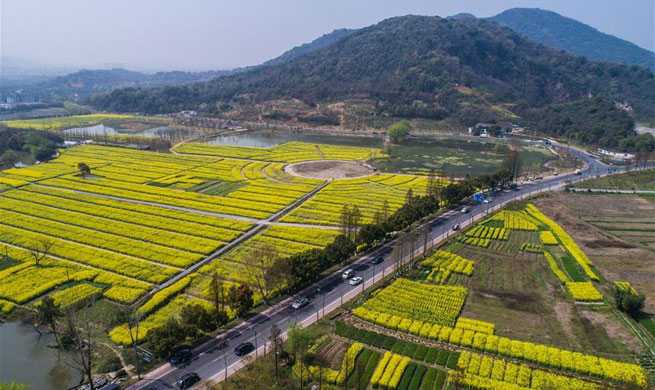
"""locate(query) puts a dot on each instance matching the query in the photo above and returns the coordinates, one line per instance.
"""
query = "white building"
(619, 155)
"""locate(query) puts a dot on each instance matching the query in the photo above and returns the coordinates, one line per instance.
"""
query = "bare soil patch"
(329, 169)
(612, 327)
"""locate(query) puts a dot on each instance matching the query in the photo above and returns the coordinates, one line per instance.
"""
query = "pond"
(26, 358)
(267, 139)
(447, 156)
(104, 129)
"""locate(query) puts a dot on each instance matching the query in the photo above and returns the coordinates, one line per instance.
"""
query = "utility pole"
(254, 329)
(318, 291)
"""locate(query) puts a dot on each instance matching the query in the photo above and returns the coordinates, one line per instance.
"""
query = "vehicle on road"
(244, 349)
(347, 274)
(181, 357)
(188, 380)
(465, 210)
(456, 227)
(488, 200)
(377, 260)
(300, 303)
(356, 280)
(110, 386)
(578, 172)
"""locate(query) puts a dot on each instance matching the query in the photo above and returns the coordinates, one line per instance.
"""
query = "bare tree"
(356, 216)
(275, 338)
(346, 220)
(132, 318)
(217, 296)
(425, 230)
(221, 345)
(40, 249)
(83, 344)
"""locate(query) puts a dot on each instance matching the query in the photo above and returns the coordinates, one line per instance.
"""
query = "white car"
(347, 274)
(356, 280)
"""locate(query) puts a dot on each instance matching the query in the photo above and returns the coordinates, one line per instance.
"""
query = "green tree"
(48, 312)
(399, 131)
(9, 158)
(240, 299)
(84, 169)
(196, 315)
(165, 338)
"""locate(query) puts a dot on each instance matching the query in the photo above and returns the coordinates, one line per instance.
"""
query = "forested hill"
(555, 30)
(88, 81)
(415, 66)
(318, 43)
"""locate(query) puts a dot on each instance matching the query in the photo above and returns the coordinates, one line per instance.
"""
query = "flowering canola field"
(140, 218)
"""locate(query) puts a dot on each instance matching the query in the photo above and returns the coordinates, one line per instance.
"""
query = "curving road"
(328, 294)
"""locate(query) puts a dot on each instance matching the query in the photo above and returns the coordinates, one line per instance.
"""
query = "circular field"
(329, 169)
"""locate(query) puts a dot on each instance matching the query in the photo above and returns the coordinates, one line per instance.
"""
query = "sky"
(151, 35)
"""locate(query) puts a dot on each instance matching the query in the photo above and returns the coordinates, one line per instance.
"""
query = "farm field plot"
(479, 336)
(374, 194)
(640, 180)
(609, 229)
(75, 121)
(140, 218)
(517, 309)
(256, 198)
(524, 292)
(274, 242)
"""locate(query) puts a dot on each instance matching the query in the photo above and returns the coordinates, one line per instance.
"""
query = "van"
(347, 274)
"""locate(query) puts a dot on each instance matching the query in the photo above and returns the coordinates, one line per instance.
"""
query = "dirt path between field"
(127, 367)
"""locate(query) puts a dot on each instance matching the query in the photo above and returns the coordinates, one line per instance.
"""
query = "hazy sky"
(221, 34)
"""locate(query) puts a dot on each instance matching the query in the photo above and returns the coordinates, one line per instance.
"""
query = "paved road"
(329, 293)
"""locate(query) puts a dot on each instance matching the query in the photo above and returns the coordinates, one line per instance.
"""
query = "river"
(26, 358)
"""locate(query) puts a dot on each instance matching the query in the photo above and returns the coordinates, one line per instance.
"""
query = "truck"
(478, 197)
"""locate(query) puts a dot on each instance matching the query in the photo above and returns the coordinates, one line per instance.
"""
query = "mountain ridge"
(415, 66)
(564, 33)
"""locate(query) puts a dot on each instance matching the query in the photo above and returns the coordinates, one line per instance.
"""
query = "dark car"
(244, 349)
(377, 260)
(181, 357)
(111, 386)
(188, 380)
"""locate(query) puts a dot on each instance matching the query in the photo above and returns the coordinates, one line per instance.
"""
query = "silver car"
(356, 280)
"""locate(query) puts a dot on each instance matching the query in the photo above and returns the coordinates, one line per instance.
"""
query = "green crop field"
(63, 122)
(639, 180)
